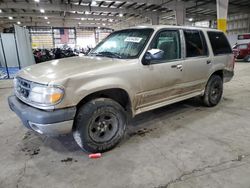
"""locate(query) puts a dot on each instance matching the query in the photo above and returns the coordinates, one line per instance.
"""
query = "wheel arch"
(119, 95)
(206, 96)
(219, 73)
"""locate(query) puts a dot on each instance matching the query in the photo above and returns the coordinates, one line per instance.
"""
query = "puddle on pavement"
(26, 135)
(31, 152)
(68, 160)
(227, 99)
(141, 132)
(30, 144)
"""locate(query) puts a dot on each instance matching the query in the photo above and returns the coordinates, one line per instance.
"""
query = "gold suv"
(131, 71)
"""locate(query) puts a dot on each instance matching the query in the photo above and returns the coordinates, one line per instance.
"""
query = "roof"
(77, 13)
(176, 27)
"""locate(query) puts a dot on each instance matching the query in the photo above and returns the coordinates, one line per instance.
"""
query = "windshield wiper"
(107, 54)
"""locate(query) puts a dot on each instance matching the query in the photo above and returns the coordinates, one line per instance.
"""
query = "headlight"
(38, 94)
(45, 95)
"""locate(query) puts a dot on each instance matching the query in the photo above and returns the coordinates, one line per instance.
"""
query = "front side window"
(219, 43)
(242, 46)
(124, 44)
(195, 43)
(169, 43)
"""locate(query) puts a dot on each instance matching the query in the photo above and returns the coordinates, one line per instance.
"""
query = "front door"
(162, 78)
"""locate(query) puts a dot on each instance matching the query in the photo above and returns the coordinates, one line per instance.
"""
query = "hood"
(60, 69)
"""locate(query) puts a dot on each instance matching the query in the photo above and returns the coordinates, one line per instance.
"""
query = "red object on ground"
(95, 155)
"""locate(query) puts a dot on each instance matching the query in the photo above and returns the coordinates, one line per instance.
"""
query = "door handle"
(178, 66)
(173, 66)
(208, 61)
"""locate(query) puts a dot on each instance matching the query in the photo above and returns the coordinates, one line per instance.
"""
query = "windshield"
(124, 44)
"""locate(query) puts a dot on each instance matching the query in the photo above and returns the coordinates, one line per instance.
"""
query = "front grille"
(22, 88)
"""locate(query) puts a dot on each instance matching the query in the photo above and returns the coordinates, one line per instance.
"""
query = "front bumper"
(44, 122)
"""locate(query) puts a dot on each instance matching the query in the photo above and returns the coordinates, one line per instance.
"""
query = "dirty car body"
(161, 66)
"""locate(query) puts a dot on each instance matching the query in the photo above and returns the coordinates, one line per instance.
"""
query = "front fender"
(102, 84)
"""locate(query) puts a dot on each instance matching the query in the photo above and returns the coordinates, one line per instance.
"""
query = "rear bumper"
(228, 75)
(44, 122)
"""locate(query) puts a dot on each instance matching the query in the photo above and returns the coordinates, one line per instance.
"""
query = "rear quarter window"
(219, 43)
(195, 43)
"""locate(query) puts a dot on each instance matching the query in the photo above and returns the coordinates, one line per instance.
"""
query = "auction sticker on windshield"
(133, 39)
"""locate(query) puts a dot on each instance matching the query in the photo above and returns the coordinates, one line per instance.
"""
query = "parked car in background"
(132, 71)
(242, 51)
(242, 47)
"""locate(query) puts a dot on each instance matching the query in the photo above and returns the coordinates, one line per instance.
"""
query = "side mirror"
(153, 54)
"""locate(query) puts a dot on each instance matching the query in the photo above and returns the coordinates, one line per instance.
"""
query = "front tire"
(99, 125)
(213, 91)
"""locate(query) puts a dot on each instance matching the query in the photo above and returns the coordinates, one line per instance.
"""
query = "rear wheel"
(99, 125)
(213, 91)
(247, 58)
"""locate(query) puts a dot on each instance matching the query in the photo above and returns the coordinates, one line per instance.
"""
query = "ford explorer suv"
(130, 72)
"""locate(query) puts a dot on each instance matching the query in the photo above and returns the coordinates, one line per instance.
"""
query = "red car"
(242, 51)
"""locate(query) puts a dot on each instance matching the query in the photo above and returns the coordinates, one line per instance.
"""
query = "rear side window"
(219, 43)
(195, 43)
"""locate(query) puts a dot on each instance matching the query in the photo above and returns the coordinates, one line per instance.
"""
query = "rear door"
(197, 61)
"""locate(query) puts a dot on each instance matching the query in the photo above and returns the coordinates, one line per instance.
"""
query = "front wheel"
(99, 125)
(213, 91)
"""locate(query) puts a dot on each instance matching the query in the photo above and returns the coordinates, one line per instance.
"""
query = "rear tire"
(247, 58)
(99, 125)
(213, 91)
